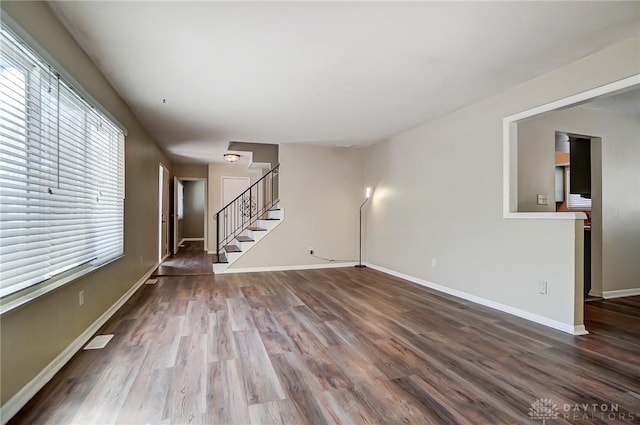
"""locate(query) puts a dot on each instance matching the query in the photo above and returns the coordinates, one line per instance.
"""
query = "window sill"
(25, 296)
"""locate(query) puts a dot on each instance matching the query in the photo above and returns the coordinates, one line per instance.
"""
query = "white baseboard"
(190, 240)
(580, 330)
(607, 295)
(565, 327)
(15, 403)
(285, 268)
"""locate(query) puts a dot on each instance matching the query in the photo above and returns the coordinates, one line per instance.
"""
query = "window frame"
(26, 295)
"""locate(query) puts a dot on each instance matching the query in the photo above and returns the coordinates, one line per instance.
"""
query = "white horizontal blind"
(61, 174)
(180, 200)
(574, 200)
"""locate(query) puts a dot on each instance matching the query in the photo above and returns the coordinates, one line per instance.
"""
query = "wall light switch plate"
(543, 199)
(542, 287)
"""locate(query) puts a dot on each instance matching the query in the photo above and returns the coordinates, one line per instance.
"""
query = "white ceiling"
(338, 73)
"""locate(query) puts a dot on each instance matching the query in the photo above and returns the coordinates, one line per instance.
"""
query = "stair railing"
(246, 209)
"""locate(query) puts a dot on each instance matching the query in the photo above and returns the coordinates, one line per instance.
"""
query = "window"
(61, 174)
(180, 200)
(574, 200)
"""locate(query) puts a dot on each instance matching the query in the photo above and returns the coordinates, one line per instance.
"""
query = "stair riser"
(233, 256)
(274, 214)
(269, 225)
(243, 245)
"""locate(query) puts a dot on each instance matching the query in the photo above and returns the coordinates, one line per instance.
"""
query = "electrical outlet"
(433, 262)
(542, 286)
(81, 298)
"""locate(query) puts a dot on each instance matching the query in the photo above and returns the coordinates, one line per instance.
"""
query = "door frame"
(177, 179)
(510, 176)
(163, 252)
(222, 179)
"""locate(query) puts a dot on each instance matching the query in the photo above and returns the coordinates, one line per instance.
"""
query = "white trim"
(162, 171)
(15, 403)
(574, 330)
(29, 294)
(510, 140)
(206, 211)
(164, 258)
(191, 239)
(580, 330)
(607, 295)
(223, 178)
(285, 268)
(176, 244)
(577, 99)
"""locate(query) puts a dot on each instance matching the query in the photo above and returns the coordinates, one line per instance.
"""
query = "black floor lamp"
(367, 194)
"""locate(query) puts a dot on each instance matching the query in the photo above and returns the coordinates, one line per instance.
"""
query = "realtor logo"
(544, 409)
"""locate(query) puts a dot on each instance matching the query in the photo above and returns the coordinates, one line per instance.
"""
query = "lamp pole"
(367, 195)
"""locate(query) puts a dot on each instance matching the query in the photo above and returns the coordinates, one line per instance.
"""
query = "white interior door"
(163, 212)
(176, 188)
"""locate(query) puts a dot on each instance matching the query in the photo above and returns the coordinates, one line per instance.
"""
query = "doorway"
(189, 212)
(624, 265)
(163, 212)
(578, 180)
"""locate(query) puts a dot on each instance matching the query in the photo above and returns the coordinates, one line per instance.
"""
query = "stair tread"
(220, 259)
(232, 248)
(269, 219)
(244, 239)
(257, 229)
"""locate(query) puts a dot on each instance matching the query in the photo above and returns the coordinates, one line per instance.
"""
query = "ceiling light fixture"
(231, 157)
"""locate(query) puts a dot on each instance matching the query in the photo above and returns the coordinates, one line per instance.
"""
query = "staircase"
(243, 222)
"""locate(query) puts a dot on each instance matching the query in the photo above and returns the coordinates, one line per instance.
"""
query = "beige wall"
(194, 209)
(265, 153)
(33, 335)
(189, 170)
(438, 195)
(320, 191)
(617, 230)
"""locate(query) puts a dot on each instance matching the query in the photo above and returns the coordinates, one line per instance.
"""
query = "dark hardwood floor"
(340, 346)
(191, 260)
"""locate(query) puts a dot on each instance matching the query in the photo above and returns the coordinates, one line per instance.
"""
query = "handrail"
(250, 187)
(245, 209)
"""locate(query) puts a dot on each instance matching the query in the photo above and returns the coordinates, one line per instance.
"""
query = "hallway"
(191, 260)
